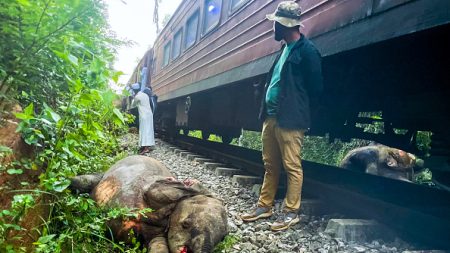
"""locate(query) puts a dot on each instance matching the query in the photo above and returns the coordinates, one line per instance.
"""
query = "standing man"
(146, 133)
(153, 98)
(294, 79)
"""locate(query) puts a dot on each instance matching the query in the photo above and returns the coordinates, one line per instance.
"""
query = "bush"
(315, 148)
(56, 58)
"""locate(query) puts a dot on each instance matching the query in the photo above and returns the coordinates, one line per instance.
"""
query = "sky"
(133, 20)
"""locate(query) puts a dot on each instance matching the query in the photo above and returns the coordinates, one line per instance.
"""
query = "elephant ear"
(85, 183)
(164, 192)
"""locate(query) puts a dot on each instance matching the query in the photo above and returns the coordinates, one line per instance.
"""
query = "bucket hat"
(287, 14)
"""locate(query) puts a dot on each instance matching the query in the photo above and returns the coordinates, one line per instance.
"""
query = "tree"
(56, 60)
(35, 32)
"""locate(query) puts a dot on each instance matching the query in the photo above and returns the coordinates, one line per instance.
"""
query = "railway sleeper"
(191, 157)
(213, 165)
(185, 154)
(222, 171)
(202, 160)
(358, 230)
(246, 180)
(177, 151)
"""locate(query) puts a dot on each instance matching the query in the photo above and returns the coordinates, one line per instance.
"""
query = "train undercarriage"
(400, 84)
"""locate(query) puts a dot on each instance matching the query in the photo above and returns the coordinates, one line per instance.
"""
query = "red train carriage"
(209, 63)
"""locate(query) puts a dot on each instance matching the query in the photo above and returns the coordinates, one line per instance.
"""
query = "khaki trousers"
(281, 148)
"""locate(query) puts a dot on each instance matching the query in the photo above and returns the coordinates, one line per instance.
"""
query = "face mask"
(279, 30)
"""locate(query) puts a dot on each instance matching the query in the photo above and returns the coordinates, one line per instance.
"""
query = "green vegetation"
(323, 150)
(199, 135)
(249, 139)
(331, 152)
(423, 141)
(226, 244)
(424, 177)
(377, 125)
(315, 148)
(56, 63)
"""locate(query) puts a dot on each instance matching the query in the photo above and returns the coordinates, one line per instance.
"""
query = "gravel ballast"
(306, 236)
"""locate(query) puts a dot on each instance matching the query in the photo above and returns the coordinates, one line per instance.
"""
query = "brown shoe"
(258, 213)
(284, 221)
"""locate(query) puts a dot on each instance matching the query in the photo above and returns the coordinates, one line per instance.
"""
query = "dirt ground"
(10, 183)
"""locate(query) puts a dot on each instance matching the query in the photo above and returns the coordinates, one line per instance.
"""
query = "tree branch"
(60, 28)
(42, 16)
(45, 39)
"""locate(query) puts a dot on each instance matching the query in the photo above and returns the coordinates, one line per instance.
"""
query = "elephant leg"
(85, 183)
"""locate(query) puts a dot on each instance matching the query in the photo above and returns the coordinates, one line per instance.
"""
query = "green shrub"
(56, 60)
(226, 244)
(315, 148)
(322, 150)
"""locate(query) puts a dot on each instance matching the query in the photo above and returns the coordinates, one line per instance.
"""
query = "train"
(389, 58)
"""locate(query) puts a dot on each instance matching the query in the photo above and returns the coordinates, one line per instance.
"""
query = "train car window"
(191, 30)
(236, 5)
(176, 49)
(212, 11)
(166, 54)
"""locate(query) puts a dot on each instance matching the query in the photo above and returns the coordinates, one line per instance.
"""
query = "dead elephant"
(382, 161)
(186, 218)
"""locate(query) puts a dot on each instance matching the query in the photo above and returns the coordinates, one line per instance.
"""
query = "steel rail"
(415, 212)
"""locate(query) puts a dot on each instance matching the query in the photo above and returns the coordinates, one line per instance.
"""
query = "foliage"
(376, 127)
(56, 56)
(226, 244)
(37, 37)
(9, 220)
(195, 133)
(79, 225)
(423, 140)
(214, 138)
(76, 224)
(424, 177)
(249, 139)
(323, 150)
(4, 152)
(315, 148)
(199, 135)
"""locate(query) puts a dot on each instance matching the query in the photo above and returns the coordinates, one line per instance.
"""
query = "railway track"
(416, 213)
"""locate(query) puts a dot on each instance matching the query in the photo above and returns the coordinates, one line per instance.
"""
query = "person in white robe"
(146, 131)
